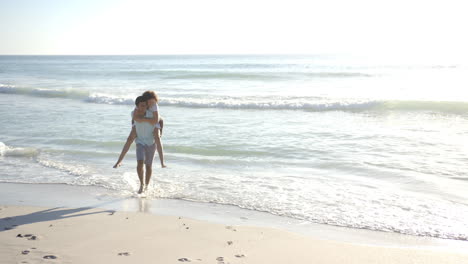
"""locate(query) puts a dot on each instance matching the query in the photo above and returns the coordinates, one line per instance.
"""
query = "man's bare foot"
(141, 189)
(118, 164)
(146, 188)
(163, 166)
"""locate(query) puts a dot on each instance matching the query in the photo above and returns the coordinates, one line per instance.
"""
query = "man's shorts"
(146, 153)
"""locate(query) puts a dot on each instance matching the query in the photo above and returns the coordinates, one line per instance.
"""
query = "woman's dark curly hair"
(150, 95)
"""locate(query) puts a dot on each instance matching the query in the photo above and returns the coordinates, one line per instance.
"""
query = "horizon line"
(175, 54)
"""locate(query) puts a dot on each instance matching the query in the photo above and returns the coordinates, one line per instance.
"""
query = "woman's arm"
(141, 118)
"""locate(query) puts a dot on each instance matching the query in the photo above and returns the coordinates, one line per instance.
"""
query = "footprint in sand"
(229, 243)
(50, 257)
(25, 252)
(240, 256)
(29, 236)
(184, 260)
(124, 254)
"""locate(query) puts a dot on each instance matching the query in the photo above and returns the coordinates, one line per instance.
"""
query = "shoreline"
(69, 196)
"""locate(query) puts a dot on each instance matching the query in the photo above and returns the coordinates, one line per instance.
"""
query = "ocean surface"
(350, 141)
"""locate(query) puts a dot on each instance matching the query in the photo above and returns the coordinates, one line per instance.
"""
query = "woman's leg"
(161, 124)
(159, 146)
(131, 137)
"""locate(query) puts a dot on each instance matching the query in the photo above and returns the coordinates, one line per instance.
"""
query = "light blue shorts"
(146, 153)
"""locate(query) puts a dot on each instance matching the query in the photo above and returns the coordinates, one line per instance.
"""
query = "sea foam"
(17, 152)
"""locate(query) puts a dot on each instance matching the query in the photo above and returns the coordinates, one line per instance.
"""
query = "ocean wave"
(86, 96)
(272, 104)
(8, 151)
(218, 151)
(241, 74)
(319, 105)
(314, 104)
(71, 169)
(438, 106)
(109, 99)
(236, 75)
(43, 92)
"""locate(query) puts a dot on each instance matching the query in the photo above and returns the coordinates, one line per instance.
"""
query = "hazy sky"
(232, 27)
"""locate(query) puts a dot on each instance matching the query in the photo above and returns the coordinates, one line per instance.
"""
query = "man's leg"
(149, 171)
(150, 151)
(140, 175)
(131, 137)
(140, 153)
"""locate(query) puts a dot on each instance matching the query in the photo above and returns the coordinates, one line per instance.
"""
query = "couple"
(147, 130)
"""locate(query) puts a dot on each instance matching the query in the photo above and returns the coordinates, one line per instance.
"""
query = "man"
(132, 136)
(145, 144)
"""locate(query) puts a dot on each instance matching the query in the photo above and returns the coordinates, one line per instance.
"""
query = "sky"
(82, 27)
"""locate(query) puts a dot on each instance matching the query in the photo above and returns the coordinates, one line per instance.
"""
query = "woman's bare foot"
(141, 189)
(163, 166)
(118, 164)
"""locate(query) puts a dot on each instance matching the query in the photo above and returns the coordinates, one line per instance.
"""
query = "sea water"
(334, 139)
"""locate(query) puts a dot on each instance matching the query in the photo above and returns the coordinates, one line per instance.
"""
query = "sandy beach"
(34, 234)
(85, 235)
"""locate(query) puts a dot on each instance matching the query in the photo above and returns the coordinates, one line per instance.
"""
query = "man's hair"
(139, 100)
(150, 95)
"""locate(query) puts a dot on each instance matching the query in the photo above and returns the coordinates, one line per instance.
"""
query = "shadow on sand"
(57, 213)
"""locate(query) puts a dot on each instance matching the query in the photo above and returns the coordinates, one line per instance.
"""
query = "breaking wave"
(43, 92)
(8, 151)
(315, 104)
